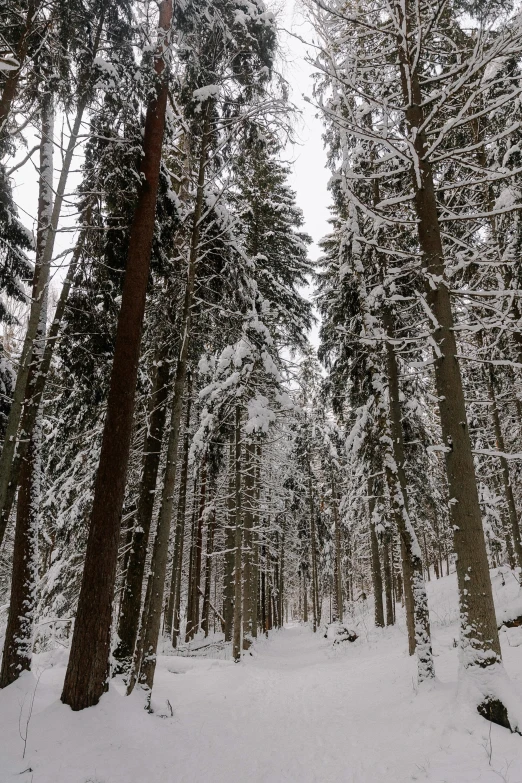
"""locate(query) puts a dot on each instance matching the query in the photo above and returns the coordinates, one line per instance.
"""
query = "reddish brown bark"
(88, 669)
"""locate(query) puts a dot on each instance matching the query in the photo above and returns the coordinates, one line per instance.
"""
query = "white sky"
(310, 176)
(308, 158)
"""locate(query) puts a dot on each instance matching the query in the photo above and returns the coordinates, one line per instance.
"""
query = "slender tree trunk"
(172, 620)
(236, 640)
(387, 578)
(130, 610)
(205, 623)
(12, 444)
(505, 527)
(426, 556)
(192, 562)
(31, 408)
(269, 615)
(504, 467)
(18, 638)
(88, 668)
(249, 489)
(263, 590)
(315, 590)
(399, 497)
(275, 591)
(194, 585)
(161, 541)
(300, 597)
(392, 569)
(255, 534)
(338, 592)
(305, 596)
(230, 538)
(376, 563)
(281, 578)
(176, 631)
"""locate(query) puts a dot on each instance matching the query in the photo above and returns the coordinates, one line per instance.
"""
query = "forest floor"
(297, 709)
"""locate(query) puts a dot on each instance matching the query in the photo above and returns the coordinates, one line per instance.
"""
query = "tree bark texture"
(236, 638)
(21, 394)
(480, 644)
(24, 579)
(394, 466)
(504, 468)
(376, 562)
(130, 609)
(172, 620)
(88, 668)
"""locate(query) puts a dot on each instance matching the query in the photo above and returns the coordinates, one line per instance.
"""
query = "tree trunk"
(249, 485)
(263, 591)
(376, 563)
(280, 609)
(338, 576)
(480, 644)
(305, 596)
(255, 534)
(130, 610)
(172, 620)
(192, 561)
(315, 587)
(18, 638)
(230, 538)
(479, 640)
(504, 467)
(161, 541)
(399, 498)
(236, 641)
(205, 622)
(194, 583)
(8, 478)
(88, 668)
(387, 578)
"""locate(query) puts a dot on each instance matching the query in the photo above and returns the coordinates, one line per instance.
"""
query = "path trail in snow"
(295, 711)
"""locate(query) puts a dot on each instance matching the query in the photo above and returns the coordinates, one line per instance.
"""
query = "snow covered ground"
(297, 709)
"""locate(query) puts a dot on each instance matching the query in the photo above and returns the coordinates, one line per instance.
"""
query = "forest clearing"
(260, 390)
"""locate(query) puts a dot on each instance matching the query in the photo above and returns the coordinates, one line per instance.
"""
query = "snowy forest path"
(296, 710)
